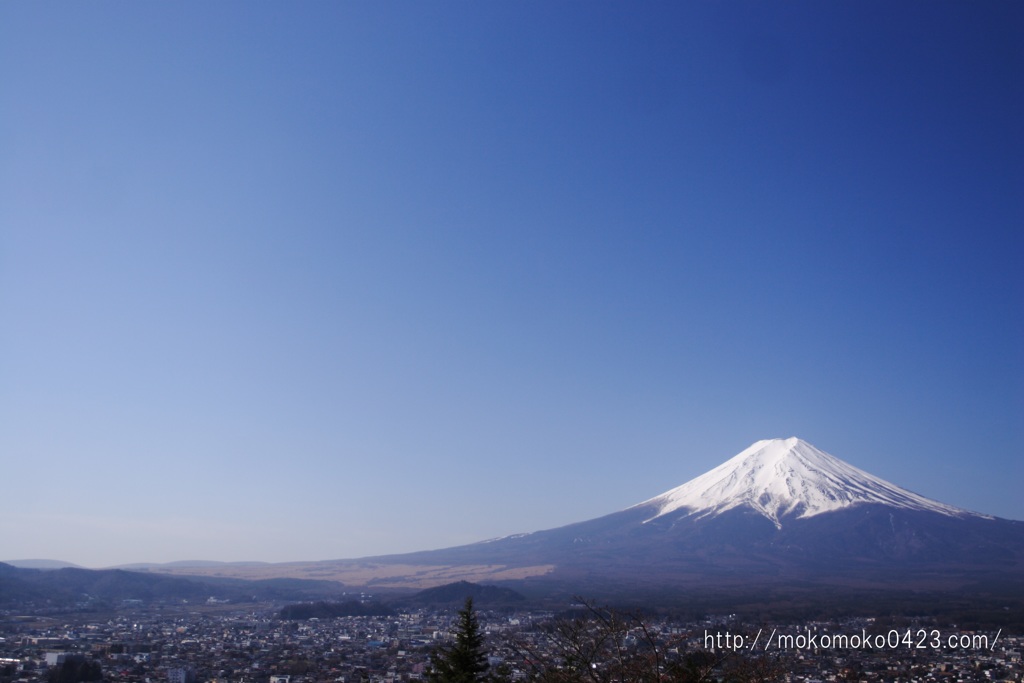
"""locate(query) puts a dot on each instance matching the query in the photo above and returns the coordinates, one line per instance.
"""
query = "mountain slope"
(781, 510)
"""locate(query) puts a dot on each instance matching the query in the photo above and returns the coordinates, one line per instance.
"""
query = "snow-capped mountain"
(779, 511)
(779, 516)
(787, 478)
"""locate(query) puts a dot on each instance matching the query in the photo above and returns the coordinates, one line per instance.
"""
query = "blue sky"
(299, 281)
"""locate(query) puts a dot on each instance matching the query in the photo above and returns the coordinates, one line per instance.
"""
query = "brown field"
(357, 574)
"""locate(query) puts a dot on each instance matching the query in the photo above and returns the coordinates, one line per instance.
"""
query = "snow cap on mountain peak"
(787, 477)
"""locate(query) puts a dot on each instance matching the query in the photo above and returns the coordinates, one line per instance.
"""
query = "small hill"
(454, 594)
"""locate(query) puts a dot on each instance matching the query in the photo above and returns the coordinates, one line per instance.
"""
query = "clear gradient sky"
(312, 280)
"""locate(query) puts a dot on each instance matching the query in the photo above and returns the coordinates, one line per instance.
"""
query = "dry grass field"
(356, 573)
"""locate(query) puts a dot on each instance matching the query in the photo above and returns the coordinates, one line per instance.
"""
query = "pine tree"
(463, 661)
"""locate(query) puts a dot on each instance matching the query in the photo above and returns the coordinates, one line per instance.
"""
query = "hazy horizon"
(303, 282)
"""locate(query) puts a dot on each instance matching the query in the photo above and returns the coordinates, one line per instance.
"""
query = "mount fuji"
(778, 512)
(780, 515)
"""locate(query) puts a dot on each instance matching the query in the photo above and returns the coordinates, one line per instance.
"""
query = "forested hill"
(68, 587)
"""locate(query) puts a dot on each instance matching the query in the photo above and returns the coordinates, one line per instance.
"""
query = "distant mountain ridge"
(41, 564)
(186, 564)
(70, 586)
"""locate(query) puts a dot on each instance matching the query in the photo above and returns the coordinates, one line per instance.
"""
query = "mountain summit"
(787, 478)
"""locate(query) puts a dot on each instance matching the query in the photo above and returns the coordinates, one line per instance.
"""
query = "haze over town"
(299, 282)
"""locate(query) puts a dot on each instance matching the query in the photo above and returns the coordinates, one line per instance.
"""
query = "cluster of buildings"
(223, 644)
